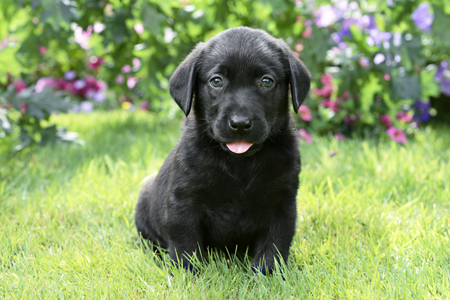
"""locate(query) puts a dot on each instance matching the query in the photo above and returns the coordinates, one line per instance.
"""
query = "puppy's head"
(240, 78)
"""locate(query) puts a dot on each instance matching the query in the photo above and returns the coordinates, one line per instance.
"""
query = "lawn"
(373, 220)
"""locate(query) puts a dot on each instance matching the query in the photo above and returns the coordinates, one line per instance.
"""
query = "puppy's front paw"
(265, 270)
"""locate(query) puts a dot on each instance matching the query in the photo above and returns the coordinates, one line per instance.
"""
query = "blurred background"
(380, 67)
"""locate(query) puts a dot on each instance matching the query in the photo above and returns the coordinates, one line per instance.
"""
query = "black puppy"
(232, 179)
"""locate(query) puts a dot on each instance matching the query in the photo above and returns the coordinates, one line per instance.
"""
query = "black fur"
(207, 196)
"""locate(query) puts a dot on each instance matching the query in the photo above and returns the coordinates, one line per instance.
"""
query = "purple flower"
(376, 37)
(364, 62)
(421, 111)
(86, 106)
(325, 16)
(369, 22)
(445, 86)
(99, 96)
(79, 84)
(443, 76)
(338, 37)
(422, 17)
(397, 39)
(379, 58)
(70, 75)
(443, 66)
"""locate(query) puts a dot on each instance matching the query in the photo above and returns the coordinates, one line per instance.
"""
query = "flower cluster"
(344, 114)
(87, 89)
(360, 46)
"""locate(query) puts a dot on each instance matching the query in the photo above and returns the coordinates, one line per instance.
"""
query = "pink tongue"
(239, 146)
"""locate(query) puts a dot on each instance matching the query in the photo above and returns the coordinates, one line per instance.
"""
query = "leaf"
(5, 123)
(429, 87)
(440, 26)
(59, 12)
(406, 87)
(367, 95)
(25, 139)
(152, 18)
(35, 4)
(48, 134)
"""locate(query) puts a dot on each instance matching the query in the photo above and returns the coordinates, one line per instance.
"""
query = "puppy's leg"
(274, 243)
(185, 237)
(148, 215)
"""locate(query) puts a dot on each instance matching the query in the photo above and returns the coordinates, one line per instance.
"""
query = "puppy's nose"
(240, 123)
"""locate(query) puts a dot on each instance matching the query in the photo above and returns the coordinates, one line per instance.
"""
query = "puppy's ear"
(182, 81)
(299, 78)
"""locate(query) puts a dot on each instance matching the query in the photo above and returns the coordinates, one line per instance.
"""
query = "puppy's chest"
(232, 224)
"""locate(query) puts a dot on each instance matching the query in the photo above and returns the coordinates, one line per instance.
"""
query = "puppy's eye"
(267, 82)
(216, 82)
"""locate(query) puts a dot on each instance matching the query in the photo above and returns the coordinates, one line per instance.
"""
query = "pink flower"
(307, 32)
(19, 84)
(329, 104)
(325, 91)
(403, 116)
(305, 113)
(95, 62)
(42, 49)
(299, 47)
(397, 135)
(131, 82)
(304, 135)
(126, 69)
(326, 78)
(82, 37)
(136, 62)
(23, 107)
(339, 136)
(43, 83)
(98, 27)
(350, 120)
(345, 95)
(145, 105)
(119, 79)
(139, 28)
(386, 120)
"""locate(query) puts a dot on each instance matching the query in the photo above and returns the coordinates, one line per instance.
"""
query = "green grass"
(373, 220)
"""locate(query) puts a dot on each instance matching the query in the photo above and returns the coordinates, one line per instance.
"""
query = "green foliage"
(46, 38)
(35, 109)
